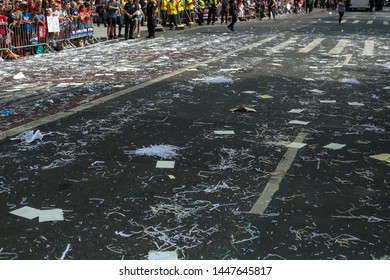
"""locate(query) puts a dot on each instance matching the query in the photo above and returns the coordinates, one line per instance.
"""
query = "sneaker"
(228, 28)
(139, 35)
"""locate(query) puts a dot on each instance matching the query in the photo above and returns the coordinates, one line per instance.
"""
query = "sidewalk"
(101, 31)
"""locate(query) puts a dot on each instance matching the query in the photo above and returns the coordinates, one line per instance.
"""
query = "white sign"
(53, 24)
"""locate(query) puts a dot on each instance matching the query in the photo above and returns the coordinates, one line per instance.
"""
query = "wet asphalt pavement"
(111, 113)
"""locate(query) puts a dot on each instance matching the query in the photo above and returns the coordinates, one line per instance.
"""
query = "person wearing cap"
(130, 11)
(151, 7)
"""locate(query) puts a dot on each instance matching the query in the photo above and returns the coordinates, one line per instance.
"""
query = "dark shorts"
(119, 20)
(111, 21)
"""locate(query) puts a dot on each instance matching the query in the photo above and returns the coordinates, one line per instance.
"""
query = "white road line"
(370, 22)
(282, 45)
(339, 47)
(368, 48)
(346, 61)
(311, 45)
(385, 22)
(31, 125)
(273, 184)
(355, 21)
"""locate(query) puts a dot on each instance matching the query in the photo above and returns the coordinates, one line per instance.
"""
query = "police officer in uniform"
(151, 7)
(130, 11)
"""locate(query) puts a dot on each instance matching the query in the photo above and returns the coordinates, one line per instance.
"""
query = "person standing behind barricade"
(65, 21)
(189, 7)
(89, 20)
(341, 9)
(130, 10)
(233, 13)
(212, 11)
(164, 12)
(308, 4)
(201, 7)
(38, 5)
(172, 13)
(112, 9)
(224, 11)
(143, 7)
(84, 17)
(100, 9)
(138, 18)
(262, 9)
(271, 8)
(40, 24)
(119, 19)
(26, 29)
(74, 14)
(3, 30)
(16, 18)
(151, 7)
(31, 6)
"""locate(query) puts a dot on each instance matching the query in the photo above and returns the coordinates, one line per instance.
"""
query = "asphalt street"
(267, 143)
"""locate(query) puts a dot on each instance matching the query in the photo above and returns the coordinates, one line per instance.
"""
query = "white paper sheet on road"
(296, 111)
(335, 146)
(43, 215)
(51, 215)
(328, 101)
(223, 132)
(26, 212)
(296, 145)
(298, 122)
(167, 255)
(165, 164)
(355, 104)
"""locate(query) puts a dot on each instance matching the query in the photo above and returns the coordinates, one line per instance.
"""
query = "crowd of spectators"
(26, 24)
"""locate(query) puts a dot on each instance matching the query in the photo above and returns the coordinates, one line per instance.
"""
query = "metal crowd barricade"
(18, 40)
(26, 37)
(71, 31)
(5, 41)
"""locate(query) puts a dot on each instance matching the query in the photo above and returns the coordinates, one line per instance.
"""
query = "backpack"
(39, 50)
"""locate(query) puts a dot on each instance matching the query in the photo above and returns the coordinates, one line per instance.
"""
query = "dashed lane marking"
(339, 47)
(368, 48)
(274, 182)
(311, 45)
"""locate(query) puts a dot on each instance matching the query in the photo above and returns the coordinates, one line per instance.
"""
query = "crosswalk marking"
(339, 47)
(368, 48)
(311, 45)
(385, 22)
(283, 45)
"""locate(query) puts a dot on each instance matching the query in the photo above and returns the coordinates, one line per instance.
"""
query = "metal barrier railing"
(25, 38)
(5, 41)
